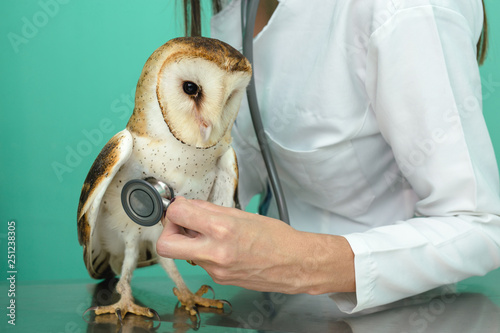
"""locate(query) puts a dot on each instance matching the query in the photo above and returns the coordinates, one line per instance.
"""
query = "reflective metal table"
(57, 306)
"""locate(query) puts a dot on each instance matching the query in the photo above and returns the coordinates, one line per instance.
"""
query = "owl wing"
(224, 191)
(114, 154)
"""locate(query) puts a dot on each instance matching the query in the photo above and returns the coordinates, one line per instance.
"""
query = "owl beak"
(205, 130)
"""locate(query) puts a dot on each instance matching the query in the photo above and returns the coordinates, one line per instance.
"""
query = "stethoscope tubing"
(248, 14)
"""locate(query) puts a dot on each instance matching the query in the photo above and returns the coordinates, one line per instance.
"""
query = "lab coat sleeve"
(424, 86)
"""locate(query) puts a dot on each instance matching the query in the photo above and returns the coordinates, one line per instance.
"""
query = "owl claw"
(211, 289)
(191, 301)
(228, 303)
(198, 316)
(155, 313)
(119, 315)
(92, 308)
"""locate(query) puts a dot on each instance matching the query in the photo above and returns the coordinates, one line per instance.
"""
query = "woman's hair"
(192, 24)
(192, 15)
(482, 44)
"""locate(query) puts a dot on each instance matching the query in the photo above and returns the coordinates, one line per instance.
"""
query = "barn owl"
(187, 99)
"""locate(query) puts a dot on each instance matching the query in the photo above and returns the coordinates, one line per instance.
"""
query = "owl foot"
(190, 301)
(121, 308)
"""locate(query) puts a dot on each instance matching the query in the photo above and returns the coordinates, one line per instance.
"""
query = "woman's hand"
(255, 252)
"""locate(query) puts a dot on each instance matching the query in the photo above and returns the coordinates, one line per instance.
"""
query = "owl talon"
(203, 290)
(228, 303)
(190, 301)
(198, 316)
(118, 313)
(92, 308)
(122, 308)
(155, 313)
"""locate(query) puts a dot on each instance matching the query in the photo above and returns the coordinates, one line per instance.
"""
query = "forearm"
(257, 252)
(314, 264)
(279, 258)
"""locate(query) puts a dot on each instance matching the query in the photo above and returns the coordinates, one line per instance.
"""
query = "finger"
(179, 246)
(219, 211)
(164, 218)
(188, 215)
(174, 231)
(215, 208)
(191, 233)
(172, 228)
(182, 236)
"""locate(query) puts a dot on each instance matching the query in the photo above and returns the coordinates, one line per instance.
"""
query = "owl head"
(192, 88)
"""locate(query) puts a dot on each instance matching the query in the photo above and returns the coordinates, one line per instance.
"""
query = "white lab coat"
(374, 116)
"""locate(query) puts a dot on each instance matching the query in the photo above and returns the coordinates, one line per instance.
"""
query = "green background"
(68, 71)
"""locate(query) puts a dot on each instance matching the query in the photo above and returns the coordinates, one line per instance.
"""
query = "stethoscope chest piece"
(146, 200)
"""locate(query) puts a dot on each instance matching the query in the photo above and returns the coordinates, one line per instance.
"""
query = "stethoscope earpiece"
(146, 200)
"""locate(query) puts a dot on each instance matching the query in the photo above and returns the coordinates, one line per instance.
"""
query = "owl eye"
(190, 88)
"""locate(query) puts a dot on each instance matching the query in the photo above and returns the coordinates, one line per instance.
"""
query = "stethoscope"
(146, 200)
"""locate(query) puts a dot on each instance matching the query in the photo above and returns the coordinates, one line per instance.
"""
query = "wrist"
(325, 264)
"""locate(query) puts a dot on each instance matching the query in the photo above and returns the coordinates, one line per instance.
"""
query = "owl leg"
(126, 303)
(189, 300)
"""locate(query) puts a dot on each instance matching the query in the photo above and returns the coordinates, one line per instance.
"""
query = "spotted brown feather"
(104, 163)
(113, 155)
